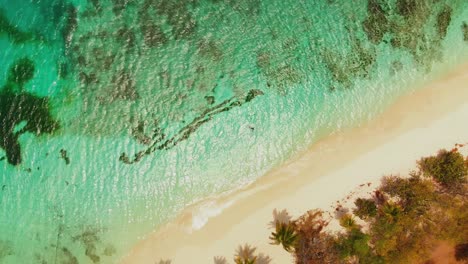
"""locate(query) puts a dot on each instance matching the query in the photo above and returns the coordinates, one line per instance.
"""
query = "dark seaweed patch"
(89, 239)
(71, 24)
(21, 72)
(96, 4)
(279, 70)
(246, 7)
(17, 107)
(16, 35)
(109, 251)
(209, 49)
(355, 64)
(465, 31)
(126, 37)
(88, 79)
(179, 17)
(159, 141)
(66, 257)
(124, 87)
(406, 8)
(119, 6)
(153, 35)
(62, 70)
(376, 23)
(5, 249)
(443, 21)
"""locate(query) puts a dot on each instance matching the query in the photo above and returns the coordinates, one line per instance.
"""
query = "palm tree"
(348, 222)
(280, 217)
(245, 255)
(263, 259)
(391, 211)
(285, 234)
(220, 260)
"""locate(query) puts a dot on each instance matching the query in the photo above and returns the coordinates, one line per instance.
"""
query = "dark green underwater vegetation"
(17, 36)
(465, 31)
(20, 108)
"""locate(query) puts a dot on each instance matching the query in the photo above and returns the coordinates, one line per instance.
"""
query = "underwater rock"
(252, 94)
(210, 99)
(161, 143)
(64, 156)
(138, 133)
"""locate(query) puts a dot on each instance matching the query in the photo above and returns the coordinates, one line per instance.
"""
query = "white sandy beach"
(416, 125)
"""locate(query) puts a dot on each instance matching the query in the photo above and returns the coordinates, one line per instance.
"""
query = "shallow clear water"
(125, 112)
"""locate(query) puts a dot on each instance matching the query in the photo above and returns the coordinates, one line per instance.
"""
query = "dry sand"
(416, 125)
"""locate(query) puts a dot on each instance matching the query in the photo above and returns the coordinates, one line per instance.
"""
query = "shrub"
(447, 167)
(415, 193)
(461, 252)
(353, 244)
(365, 208)
(313, 245)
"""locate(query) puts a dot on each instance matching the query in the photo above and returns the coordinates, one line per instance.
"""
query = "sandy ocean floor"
(416, 125)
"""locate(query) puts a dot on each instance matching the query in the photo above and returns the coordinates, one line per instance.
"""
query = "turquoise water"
(118, 114)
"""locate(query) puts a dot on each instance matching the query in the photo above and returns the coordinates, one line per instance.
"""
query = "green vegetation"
(406, 218)
(284, 235)
(447, 167)
(365, 208)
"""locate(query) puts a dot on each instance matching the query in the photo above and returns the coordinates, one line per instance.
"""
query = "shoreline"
(415, 125)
